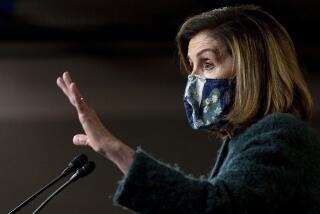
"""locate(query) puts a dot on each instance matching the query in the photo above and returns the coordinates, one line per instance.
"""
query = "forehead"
(203, 40)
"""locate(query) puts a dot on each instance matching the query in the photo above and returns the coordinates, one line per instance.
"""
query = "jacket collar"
(223, 151)
(221, 154)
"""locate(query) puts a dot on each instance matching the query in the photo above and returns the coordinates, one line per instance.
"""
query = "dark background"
(122, 55)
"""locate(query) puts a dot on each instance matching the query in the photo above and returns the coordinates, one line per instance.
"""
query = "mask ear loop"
(227, 133)
(232, 80)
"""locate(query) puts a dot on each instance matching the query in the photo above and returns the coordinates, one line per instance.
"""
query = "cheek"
(218, 73)
(226, 68)
(221, 71)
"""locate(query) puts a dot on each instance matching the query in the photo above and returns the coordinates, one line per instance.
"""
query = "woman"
(245, 86)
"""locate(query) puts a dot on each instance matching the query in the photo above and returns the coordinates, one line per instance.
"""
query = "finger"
(81, 140)
(89, 120)
(67, 79)
(63, 87)
(80, 104)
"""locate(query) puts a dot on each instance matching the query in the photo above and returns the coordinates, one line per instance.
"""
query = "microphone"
(83, 171)
(73, 165)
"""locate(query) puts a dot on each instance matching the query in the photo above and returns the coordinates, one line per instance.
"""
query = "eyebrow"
(214, 50)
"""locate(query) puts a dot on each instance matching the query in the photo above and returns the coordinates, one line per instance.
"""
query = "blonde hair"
(268, 77)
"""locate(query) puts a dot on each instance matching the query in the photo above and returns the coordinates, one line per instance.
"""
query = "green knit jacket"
(271, 166)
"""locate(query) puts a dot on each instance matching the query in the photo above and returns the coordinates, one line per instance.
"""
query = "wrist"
(119, 153)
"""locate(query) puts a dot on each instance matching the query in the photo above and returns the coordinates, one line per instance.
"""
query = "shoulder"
(277, 128)
(282, 121)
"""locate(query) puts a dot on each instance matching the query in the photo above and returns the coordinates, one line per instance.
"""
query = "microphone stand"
(83, 171)
(51, 196)
(74, 164)
(24, 203)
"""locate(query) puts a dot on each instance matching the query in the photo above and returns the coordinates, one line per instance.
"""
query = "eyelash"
(208, 66)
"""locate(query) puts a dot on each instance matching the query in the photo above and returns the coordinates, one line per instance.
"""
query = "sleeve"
(252, 181)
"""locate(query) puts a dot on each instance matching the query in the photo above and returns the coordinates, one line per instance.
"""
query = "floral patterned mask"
(206, 101)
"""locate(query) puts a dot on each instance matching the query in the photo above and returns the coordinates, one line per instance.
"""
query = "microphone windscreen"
(87, 169)
(77, 162)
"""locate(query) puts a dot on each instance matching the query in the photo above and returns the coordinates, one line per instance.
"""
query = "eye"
(191, 65)
(208, 66)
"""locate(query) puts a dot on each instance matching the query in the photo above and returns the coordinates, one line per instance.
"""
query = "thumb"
(80, 140)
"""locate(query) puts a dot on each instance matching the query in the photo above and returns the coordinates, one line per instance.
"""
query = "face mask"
(206, 101)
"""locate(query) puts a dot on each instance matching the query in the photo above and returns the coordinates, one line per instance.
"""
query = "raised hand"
(95, 134)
